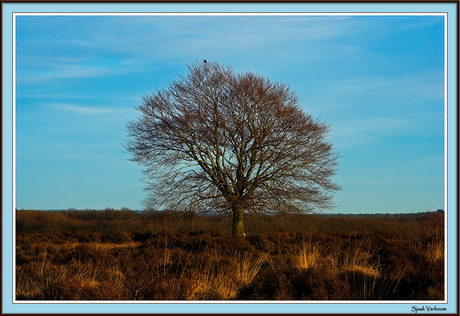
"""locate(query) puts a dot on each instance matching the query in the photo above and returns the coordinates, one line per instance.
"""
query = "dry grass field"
(124, 255)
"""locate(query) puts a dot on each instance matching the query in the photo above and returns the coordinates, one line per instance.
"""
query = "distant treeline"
(126, 220)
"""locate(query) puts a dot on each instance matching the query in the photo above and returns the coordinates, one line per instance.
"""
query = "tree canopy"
(221, 141)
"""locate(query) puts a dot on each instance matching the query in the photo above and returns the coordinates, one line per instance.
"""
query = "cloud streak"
(86, 49)
(80, 110)
(70, 71)
(356, 132)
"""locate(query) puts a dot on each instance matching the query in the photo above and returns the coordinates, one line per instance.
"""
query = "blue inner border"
(352, 307)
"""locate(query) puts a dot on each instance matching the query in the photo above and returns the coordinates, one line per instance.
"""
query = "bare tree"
(225, 142)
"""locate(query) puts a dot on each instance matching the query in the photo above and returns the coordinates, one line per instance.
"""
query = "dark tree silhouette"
(220, 141)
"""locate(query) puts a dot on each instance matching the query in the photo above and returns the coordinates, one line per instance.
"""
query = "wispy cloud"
(424, 85)
(86, 49)
(419, 95)
(360, 131)
(68, 71)
(376, 124)
(80, 110)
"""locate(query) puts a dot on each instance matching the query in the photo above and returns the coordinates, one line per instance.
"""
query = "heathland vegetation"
(127, 255)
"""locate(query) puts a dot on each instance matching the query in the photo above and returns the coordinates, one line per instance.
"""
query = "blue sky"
(378, 81)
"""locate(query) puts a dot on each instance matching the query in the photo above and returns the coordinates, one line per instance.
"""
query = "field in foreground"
(123, 255)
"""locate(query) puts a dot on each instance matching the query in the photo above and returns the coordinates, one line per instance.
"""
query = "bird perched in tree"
(205, 61)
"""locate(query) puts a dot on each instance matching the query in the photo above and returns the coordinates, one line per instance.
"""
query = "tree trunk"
(238, 223)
